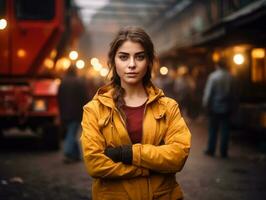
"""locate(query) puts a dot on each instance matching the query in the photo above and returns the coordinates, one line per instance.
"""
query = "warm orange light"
(66, 63)
(48, 63)
(21, 53)
(164, 70)
(103, 72)
(239, 59)
(215, 57)
(63, 63)
(94, 61)
(97, 67)
(182, 70)
(53, 53)
(80, 64)
(57, 81)
(258, 53)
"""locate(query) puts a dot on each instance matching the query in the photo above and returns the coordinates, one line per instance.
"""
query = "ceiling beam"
(108, 20)
(119, 12)
(126, 1)
(125, 5)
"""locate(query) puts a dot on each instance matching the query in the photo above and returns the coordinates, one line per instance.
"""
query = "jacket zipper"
(144, 112)
(124, 124)
(121, 118)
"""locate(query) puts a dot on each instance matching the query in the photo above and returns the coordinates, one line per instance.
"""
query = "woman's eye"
(140, 57)
(123, 57)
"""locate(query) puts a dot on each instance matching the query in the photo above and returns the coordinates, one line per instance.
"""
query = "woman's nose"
(132, 63)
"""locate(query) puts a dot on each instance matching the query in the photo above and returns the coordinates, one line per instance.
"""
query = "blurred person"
(184, 87)
(134, 138)
(194, 109)
(72, 95)
(168, 83)
(218, 99)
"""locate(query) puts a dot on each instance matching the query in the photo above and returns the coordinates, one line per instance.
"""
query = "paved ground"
(27, 173)
(241, 177)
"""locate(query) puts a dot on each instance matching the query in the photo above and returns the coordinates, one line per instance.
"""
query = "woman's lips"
(131, 74)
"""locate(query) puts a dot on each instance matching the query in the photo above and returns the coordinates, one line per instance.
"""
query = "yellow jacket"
(163, 151)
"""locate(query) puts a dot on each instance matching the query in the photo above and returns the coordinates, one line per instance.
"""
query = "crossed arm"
(138, 159)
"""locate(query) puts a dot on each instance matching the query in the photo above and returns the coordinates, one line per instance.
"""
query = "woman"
(134, 139)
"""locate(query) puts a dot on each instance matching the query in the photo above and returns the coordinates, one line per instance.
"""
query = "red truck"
(34, 35)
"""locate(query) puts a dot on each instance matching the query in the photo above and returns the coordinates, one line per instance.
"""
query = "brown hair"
(134, 34)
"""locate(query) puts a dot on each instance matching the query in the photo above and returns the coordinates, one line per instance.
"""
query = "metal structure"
(34, 38)
(104, 18)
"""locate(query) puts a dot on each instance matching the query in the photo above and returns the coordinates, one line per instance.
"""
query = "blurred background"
(40, 40)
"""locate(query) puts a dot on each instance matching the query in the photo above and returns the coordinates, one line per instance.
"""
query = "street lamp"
(73, 55)
(3, 24)
(239, 59)
(80, 64)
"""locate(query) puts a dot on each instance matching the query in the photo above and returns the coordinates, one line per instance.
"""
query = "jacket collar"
(104, 95)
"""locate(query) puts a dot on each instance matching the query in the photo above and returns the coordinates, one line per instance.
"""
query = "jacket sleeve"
(93, 145)
(171, 156)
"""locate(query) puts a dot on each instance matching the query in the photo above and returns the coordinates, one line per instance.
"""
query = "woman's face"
(131, 63)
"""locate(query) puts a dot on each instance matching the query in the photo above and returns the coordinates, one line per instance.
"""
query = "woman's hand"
(120, 154)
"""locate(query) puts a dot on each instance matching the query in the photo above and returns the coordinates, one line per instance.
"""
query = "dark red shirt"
(134, 116)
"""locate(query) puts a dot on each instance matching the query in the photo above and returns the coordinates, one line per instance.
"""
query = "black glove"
(120, 154)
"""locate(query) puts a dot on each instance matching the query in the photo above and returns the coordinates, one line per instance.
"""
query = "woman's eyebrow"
(141, 52)
(123, 53)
